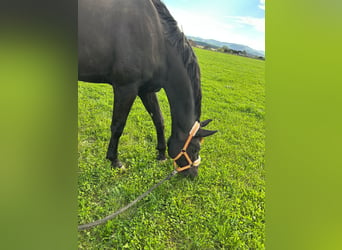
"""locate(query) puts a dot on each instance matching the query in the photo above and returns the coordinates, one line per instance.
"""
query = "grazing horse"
(137, 47)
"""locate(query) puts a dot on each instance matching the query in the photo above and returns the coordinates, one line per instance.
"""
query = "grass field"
(223, 208)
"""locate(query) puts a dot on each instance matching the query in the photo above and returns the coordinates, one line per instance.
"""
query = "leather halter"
(197, 162)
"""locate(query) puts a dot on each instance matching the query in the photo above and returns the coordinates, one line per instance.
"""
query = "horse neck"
(179, 91)
(182, 111)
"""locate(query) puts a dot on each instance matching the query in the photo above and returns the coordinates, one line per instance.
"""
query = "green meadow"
(223, 208)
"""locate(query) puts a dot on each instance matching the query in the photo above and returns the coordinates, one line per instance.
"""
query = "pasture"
(223, 208)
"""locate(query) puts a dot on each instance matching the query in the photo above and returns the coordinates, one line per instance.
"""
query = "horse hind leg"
(123, 100)
(151, 104)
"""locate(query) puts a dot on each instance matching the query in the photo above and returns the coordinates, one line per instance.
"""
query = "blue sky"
(234, 21)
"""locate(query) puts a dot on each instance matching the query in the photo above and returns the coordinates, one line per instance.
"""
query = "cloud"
(262, 4)
(257, 23)
(199, 23)
(213, 27)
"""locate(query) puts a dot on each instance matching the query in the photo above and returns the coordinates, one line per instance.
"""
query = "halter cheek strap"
(197, 162)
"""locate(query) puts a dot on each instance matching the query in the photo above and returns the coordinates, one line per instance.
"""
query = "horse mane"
(179, 41)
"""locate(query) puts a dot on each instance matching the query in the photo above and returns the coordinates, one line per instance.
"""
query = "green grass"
(223, 208)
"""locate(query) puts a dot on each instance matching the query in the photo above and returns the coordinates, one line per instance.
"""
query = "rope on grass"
(123, 209)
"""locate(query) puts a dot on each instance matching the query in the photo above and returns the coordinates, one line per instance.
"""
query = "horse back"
(119, 41)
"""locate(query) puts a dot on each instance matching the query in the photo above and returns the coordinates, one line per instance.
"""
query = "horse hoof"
(117, 164)
(161, 157)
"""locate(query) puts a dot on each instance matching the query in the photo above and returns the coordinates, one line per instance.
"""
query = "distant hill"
(234, 46)
(205, 44)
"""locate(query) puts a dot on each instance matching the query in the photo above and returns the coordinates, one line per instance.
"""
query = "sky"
(232, 21)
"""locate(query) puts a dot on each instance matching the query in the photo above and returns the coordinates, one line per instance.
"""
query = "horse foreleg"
(151, 104)
(123, 100)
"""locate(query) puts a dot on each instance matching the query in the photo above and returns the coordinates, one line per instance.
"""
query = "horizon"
(235, 21)
(221, 42)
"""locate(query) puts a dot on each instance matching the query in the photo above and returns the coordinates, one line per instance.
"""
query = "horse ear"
(205, 123)
(204, 133)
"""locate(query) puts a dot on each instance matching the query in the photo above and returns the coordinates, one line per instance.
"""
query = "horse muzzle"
(191, 164)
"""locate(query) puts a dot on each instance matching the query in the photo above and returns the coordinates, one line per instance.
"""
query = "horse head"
(188, 159)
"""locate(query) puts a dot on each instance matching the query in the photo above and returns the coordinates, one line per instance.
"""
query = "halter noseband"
(197, 162)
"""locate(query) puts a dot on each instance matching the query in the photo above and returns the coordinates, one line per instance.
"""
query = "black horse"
(137, 47)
